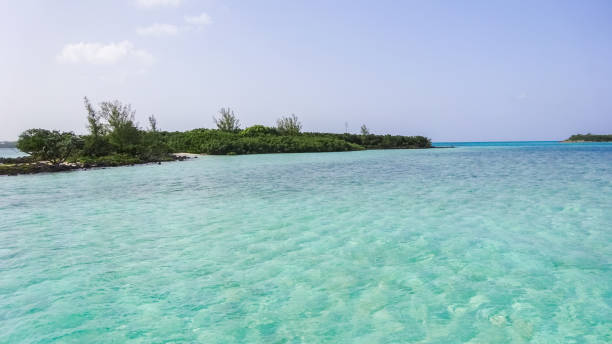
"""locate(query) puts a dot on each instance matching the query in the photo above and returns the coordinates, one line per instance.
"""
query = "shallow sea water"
(481, 243)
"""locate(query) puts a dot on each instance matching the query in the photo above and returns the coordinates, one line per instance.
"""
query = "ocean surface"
(11, 153)
(482, 243)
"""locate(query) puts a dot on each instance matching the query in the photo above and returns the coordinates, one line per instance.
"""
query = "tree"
(95, 126)
(227, 121)
(289, 125)
(42, 144)
(258, 130)
(364, 130)
(96, 143)
(124, 133)
(154, 147)
(152, 124)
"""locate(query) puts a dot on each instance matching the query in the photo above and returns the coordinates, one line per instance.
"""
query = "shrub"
(258, 130)
(228, 120)
(289, 125)
(124, 133)
(54, 146)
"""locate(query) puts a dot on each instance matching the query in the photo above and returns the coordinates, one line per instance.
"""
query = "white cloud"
(103, 54)
(157, 3)
(158, 30)
(521, 96)
(202, 19)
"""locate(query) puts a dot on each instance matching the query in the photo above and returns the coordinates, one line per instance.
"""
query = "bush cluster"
(253, 140)
(261, 139)
(591, 138)
(115, 139)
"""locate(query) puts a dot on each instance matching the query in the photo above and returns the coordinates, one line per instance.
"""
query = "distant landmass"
(115, 139)
(589, 138)
(8, 144)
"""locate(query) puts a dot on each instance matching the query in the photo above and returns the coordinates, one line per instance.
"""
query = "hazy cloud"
(521, 96)
(202, 19)
(158, 30)
(158, 3)
(98, 53)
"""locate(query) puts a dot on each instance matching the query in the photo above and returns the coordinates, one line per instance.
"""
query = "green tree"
(258, 130)
(227, 121)
(124, 133)
(96, 143)
(154, 147)
(94, 123)
(42, 144)
(364, 130)
(289, 125)
(152, 124)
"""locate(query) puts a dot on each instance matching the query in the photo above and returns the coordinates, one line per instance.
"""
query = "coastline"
(22, 165)
(36, 167)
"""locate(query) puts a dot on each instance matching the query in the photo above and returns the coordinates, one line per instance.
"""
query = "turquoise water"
(11, 153)
(479, 244)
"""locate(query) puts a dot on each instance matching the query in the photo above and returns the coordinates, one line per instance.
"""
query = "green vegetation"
(253, 140)
(371, 141)
(228, 121)
(54, 146)
(589, 138)
(286, 137)
(289, 125)
(114, 139)
(364, 130)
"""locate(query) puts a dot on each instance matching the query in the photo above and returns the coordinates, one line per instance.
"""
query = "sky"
(449, 70)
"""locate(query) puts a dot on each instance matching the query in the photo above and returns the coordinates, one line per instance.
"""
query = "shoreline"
(22, 166)
(36, 167)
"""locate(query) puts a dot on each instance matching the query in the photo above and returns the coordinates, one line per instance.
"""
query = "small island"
(589, 138)
(115, 139)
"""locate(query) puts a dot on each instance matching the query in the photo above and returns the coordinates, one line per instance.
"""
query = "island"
(115, 139)
(589, 138)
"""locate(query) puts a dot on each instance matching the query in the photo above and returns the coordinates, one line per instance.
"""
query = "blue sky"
(453, 71)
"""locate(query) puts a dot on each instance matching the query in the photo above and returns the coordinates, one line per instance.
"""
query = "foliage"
(96, 143)
(124, 133)
(371, 141)
(54, 146)
(228, 120)
(289, 125)
(209, 141)
(152, 124)
(95, 125)
(364, 130)
(114, 139)
(109, 160)
(261, 139)
(591, 138)
(153, 148)
(257, 130)
(18, 160)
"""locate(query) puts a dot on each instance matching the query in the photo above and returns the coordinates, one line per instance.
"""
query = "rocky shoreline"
(26, 165)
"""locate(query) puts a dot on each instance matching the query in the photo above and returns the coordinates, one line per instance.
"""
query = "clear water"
(11, 153)
(477, 244)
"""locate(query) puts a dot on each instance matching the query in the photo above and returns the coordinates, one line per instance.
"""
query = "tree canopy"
(53, 146)
(289, 125)
(227, 120)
